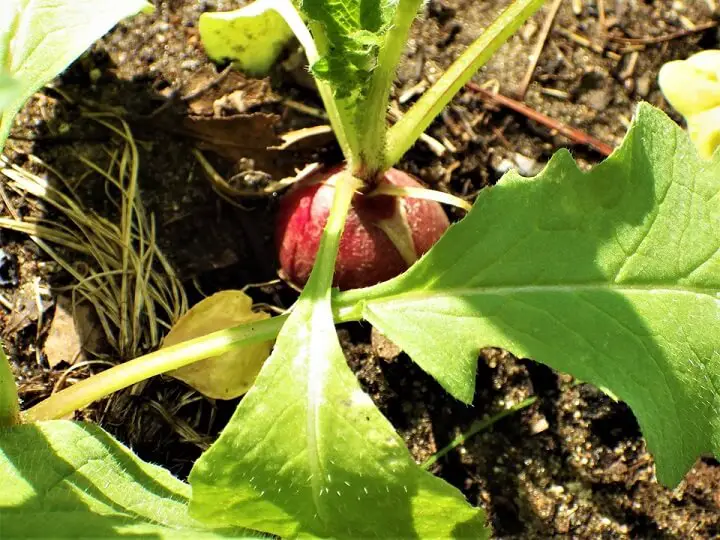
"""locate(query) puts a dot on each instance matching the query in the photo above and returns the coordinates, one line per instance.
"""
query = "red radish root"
(383, 234)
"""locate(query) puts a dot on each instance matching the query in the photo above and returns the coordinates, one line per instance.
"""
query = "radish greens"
(611, 275)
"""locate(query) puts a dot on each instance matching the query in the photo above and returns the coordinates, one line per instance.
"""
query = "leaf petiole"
(376, 103)
(421, 193)
(123, 375)
(313, 44)
(403, 135)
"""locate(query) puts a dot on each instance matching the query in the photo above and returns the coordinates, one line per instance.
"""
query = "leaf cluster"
(611, 275)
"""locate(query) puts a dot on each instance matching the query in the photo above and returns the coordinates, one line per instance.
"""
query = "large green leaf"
(40, 38)
(308, 454)
(9, 90)
(64, 479)
(612, 276)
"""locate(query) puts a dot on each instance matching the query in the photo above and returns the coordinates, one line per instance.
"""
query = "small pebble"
(190, 65)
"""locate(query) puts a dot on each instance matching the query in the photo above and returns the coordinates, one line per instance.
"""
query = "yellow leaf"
(231, 374)
(251, 37)
(692, 87)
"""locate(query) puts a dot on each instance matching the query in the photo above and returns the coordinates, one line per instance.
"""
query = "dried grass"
(126, 278)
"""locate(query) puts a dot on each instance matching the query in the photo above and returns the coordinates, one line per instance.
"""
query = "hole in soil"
(645, 527)
(709, 39)
(544, 380)
(505, 516)
(440, 12)
(616, 425)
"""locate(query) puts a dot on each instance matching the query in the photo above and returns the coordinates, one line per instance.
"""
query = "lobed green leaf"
(612, 276)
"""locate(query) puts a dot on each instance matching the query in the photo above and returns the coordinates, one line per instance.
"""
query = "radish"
(353, 49)
(383, 234)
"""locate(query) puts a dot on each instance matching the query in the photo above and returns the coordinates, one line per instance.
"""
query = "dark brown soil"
(571, 465)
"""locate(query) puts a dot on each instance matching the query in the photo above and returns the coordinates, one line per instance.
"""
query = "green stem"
(123, 375)
(338, 114)
(374, 108)
(403, 135)
(322, 273)
(476, 428)
(9, 403)
(339, 119)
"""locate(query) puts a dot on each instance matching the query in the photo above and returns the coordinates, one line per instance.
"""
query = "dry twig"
(571, 133)
(652, 40)
(537, 51)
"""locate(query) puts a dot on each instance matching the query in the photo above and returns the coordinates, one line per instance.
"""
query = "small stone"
(539, 426)
(643, 85)
(190, 65)
(527, 166)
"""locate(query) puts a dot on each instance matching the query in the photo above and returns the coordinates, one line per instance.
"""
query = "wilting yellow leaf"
(692, 87)
(231, 374)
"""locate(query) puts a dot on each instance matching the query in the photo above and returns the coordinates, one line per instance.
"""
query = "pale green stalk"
(9, 408)
(374, 108)
(341, 118)
(412, 192)
(324, 267)
(403, 135)
(314, 44)
(121, 376)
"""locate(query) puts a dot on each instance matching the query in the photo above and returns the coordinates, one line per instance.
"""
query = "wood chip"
(71, 334)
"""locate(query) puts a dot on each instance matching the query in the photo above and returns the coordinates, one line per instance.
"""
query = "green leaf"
(308, 454)
(9, 90)
(354, 31)
(64, 479)
(251, 37)
(9, 407)
(359, 43)
(612, 276)
(40, 38)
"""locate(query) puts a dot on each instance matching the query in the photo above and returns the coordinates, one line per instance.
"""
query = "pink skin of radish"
(367, 255)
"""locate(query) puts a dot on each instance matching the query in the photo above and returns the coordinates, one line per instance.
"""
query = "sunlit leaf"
(251, 37)
(612, 276)
(692, 86)
(40, 38)
(65, 479)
